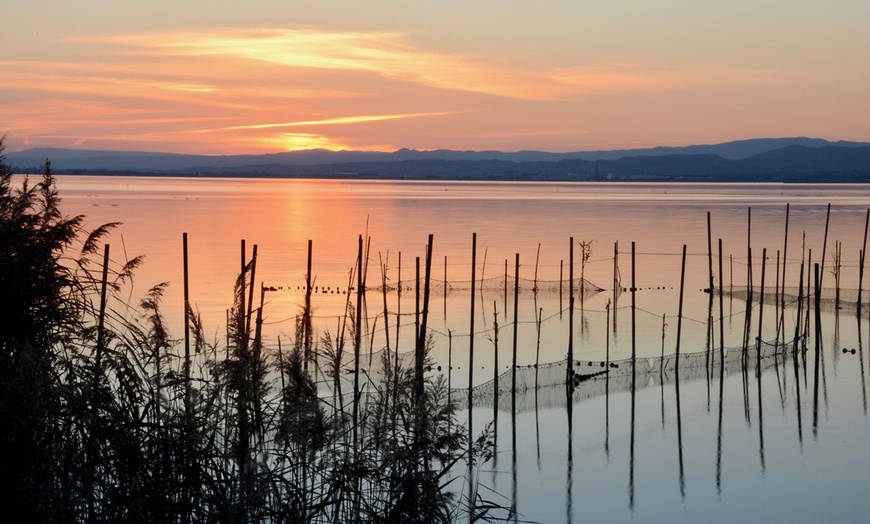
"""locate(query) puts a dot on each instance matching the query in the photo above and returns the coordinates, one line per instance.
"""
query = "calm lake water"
(709, 443)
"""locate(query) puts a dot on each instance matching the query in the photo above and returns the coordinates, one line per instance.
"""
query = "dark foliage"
(104, 421)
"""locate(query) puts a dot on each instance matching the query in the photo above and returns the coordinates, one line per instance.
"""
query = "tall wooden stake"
(306, 314)
(421, 341)
(680, 317)
(516, 308)
(569, 379)
(862, 257)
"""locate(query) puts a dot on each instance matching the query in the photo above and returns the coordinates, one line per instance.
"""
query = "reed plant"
(105, 419)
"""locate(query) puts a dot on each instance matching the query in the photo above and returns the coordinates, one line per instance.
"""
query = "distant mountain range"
(766, 159)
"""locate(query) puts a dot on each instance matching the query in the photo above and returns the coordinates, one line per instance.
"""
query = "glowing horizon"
(223, 82)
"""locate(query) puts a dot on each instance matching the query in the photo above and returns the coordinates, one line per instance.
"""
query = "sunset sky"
(262, 76)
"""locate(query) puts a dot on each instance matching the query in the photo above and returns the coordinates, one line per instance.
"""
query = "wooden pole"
(445, 287)
(416, 305)
(784, 265)
(243, 288)
(709, 252)
(495, 370)
(421, 344)
(505, 286)
(862, 257)
(749, 250)
(186, 277)
(617, 287)
(516, 316)
(561, 283)
(357, 343)
(633, 319)
(569, 379)
(101, 320)
(760, 314)
(307, 313)
(824, 246)
(680, 317)
(721, 312)
(251, 294)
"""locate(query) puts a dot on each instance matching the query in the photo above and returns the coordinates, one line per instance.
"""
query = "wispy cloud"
(222, 90)
(340, 120)
(396, 56)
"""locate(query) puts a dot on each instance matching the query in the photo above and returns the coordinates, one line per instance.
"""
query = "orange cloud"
(394, 56)
(341, 120)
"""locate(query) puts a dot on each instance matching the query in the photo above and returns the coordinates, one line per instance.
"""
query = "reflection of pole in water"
(514, 448)
(719, 432)
(449, 364)
(569, 499)
(721, 377)
(680, 438)
(861, 359)
(537, 430)
(607, 386)
(662, 371)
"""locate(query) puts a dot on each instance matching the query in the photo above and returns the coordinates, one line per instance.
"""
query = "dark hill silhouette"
(780, 159)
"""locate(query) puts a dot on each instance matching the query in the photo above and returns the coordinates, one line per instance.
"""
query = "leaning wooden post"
(416, 304)
(421, 341)
(617, 287)
(721, 312)
(357, 343)
(749, 250)
(569, 378)
(386, 309)
(784, 265)
(505, 286)
(633, 321)
(760, 314)
(709, 252)
(101, 320)
(307, 313)
(561, 283)
(818, 344)
(680, 317)
(516, 307)
(251, 295)
(445, 287)
(242, 288)
(824, 247)
(861, 260)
